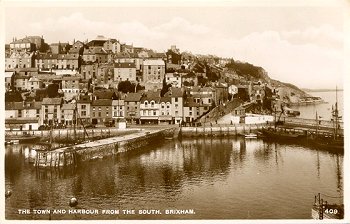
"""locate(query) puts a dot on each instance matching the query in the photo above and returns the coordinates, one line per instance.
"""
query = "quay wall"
(98, 149)
(68, 134)
(311, 122)
(221, 130)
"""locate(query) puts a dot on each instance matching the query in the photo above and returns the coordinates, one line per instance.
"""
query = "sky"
(301, 45)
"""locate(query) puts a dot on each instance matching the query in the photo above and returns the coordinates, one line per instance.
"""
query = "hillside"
(250, 72)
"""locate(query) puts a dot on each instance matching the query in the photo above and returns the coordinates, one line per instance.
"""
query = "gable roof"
(153, 62)
(133, 97)
(102, 102)
(105, 94)
(52, 101)
(124, 65)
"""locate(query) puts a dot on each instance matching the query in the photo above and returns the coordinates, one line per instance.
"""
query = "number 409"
(331, 211)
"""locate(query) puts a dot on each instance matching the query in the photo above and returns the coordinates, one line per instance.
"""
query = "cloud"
(324, 35)
(310, 57)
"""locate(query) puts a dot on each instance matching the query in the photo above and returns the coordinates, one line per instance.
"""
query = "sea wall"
(98, 149)
(60, 135)
(221, 130)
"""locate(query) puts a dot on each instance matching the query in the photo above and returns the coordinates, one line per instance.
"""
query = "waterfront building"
(101, 111)
(51, 111)
(22, 109)
(84, 109)
(165, 115)
(150, 107)
(176, 104)
(132, 107)
(67, 114)
(118, 109)
(124, 72)
(193, 109)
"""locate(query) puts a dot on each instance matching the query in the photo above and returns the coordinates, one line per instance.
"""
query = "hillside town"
(104, 82)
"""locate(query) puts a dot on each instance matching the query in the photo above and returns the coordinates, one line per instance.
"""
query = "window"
(93, 114)
(99, 109)
(93, 108)
(83, 113)
(154, 113)
(176, 99)
(190, 108)
(107, 114)
(83, 107)
(99, 114)
(190, 113)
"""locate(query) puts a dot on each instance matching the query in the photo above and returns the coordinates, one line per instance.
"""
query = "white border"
(180, 3)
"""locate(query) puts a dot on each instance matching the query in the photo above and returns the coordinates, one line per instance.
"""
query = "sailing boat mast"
(336, 113)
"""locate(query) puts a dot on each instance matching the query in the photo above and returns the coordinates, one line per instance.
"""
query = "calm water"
(229, 178)
(325, 109)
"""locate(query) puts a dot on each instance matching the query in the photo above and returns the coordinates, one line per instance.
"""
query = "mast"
(316, 124)
(336, 113)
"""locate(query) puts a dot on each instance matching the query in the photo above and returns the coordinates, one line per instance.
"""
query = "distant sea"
(325, 109)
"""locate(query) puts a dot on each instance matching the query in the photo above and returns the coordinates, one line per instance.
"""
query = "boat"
(333, 142)
(322, 210)
(251, 135)
(290, 112)
(283, 134)
(22, 139)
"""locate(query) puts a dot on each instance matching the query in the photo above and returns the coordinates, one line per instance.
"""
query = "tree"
(139, 87)
(13, 96)
(202, 81)
(126, 87)
(52, 90)
(165, 88)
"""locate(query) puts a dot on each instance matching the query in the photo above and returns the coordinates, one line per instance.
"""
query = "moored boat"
(251, 135)
(322, 210)
(283, 134)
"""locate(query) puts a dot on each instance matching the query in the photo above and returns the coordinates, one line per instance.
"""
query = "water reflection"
(219, 177)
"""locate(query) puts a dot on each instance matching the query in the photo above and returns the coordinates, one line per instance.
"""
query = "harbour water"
(228, 178)
(325, 109)
(217, 178)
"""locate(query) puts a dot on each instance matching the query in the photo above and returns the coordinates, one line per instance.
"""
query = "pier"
(73, 155)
